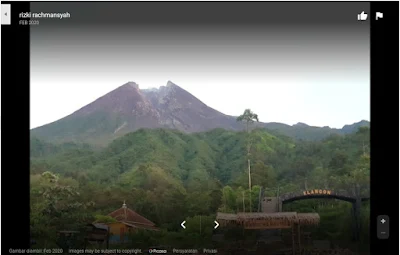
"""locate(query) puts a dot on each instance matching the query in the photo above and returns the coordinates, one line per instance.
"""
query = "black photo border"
(384, 61)
(15, 80)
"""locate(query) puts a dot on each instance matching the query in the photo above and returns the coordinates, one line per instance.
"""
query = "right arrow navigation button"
(216, 224)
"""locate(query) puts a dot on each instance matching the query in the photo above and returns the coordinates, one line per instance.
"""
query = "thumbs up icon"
(362, 16)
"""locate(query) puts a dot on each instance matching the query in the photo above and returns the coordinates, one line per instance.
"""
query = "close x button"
(383, 227)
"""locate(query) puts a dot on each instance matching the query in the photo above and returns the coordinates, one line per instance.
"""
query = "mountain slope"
(129, 108)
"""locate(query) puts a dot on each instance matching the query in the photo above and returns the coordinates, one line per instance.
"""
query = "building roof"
(227, 216)
(267, 216)
(126, 215)
(137, 225)
(308, 218)
(100, 226)
(289, 217)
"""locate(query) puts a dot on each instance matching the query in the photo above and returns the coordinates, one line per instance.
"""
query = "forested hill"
(311, 133)
(205, 159)
(192, 174)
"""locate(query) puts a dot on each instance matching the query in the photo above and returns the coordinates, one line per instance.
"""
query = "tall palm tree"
(248, 117)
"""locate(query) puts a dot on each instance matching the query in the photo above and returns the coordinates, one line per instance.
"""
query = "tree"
(248, 117)
(339, 162)
(229, 199)
(104, 219)
(240, 201)
(216, 199)
(263, 175)
(56, 206)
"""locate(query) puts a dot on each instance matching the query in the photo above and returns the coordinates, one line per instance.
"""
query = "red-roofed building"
(128, 221)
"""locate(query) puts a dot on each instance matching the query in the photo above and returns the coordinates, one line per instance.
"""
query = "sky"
(288, 62)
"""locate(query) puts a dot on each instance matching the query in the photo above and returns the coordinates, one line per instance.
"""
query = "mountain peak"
(355, 126)
(301, 124)
(170, 84)
(131, 84)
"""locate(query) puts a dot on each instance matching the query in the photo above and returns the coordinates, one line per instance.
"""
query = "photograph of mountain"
(158, 130)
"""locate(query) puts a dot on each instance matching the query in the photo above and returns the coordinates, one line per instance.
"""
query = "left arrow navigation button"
(183, 224)
(5, 14)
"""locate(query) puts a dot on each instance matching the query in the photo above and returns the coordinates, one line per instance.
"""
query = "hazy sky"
(288, 62)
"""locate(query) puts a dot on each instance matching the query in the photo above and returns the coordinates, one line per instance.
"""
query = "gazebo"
(278, 220)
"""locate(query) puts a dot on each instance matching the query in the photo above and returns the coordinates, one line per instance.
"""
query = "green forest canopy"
(167, 175)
